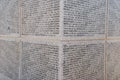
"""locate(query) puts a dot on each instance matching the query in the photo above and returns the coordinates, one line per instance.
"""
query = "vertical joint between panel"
(61, 18)
(20, 59)
(60, 71)
(106, 19)
(20, 17)
(106, 37)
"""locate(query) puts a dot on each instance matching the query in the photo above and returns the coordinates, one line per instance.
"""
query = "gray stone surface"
(84, 18)
(83, 61)
(40, 17)
(9, 17)
(9, 60)
(113, 61)
(114, 18)
(39, 62)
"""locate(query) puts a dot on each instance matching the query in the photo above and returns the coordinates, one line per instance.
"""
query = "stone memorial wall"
(59, 39)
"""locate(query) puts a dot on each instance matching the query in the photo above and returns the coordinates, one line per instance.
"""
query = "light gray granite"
(84, 18)
(40, 17)
(39, 62)
(113, 60)
(9, 60)
(114, 18)
(9, 17)
(83, 61)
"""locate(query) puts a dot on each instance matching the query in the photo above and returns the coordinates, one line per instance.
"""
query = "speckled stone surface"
(40, 17)
(59, 40)
(39, 62)
(9, 13)
(83, 61)
(114, 18)
(9, 60)
(113, 60)
(84, 18)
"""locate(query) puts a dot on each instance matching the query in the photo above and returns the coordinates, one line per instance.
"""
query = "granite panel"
(9, 60)
(40, 17)
(114, 18)
(39, 62)
(113, 60)
(84, 18)
(83, 61)
(9, 17)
